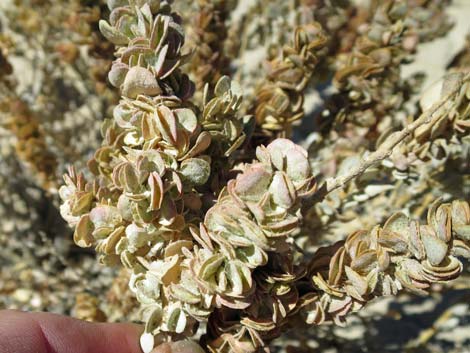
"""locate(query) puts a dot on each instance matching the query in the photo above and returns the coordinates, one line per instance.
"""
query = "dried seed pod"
(343, 277)
(207, 35)
(368, 76)
(360, 273)
(220, 119)
(448, 127)
(279, 99)
(31, 145)
(150, 38)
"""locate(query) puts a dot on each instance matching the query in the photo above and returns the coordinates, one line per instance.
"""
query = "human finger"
(22, 332)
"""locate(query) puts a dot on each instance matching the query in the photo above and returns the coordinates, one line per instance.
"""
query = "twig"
(384, 150)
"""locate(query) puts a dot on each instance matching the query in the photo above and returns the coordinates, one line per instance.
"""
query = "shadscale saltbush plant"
(209, 236)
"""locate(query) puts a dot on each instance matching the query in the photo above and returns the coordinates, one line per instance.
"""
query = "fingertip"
(20, 332)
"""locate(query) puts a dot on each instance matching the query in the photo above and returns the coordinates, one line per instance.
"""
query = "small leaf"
(359, 283)
(195, 170)
(210, 266)
(187, 119)
(203, 141)
(159, 32)
(82, 203)
(397, 223)
(112, 4)
(462, 231)
(253, 183)
(460, 212)
(181, 293)
(140, 81)
(235, 279)
(177, 320)
(154, 319)
(83, 232)
(282, 190)
(222, 86)
(156, 191)
(112, 34)
(436, 249)
(117, 74)
(297, 165)
(160, 62)
(167, 125)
